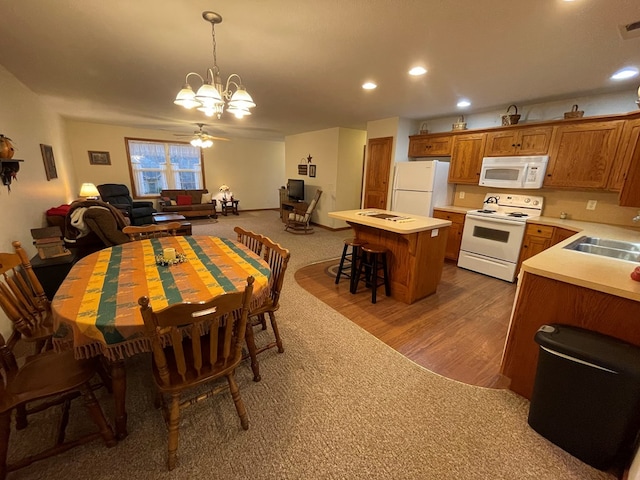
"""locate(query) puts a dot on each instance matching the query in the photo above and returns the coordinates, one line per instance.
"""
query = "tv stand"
(288, 206)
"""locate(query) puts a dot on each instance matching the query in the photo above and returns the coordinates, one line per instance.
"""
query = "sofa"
(190, 203)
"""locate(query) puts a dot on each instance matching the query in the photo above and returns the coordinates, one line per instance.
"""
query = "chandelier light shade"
(89, 190)
(213, 96)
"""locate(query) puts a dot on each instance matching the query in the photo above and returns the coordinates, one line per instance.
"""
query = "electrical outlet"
(591, 204)
(461, 195)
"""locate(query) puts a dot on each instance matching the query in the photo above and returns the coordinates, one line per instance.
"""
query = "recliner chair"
(139, 213)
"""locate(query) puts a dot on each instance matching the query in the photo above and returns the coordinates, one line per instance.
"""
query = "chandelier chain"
(215, 56)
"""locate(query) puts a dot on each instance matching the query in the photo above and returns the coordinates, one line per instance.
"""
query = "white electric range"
(492, 236)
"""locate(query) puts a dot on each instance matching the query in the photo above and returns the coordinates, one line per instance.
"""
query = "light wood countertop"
(604, 274)
(454, 209)
(411, 223)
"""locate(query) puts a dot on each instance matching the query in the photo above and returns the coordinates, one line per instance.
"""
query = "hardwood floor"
(458, 332)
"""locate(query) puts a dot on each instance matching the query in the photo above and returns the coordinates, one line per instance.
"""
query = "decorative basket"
(460, 124)
(423, 128)
(574, 113)
(510, 118)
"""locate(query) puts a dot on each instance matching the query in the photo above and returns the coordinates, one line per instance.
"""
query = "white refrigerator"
(420, 185)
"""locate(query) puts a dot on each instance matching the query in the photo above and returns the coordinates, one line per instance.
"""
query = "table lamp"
(88, 191)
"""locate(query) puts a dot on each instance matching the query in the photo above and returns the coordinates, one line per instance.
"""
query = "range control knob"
(536, 202)
(527, 200)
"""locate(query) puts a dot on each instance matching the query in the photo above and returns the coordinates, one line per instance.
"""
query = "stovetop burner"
(517, 214)
(486, 211)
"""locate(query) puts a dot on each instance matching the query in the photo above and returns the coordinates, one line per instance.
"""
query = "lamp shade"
(89, 190)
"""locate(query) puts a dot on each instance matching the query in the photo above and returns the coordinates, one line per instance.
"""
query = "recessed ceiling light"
(464, 103)
(417, 71)
(627, 72)
(369, 86)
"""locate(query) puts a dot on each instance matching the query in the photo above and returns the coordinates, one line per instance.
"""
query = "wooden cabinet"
(582, 154)
(429, 145)
(452, 250)
(466, 158)
(521, 141)
(540, 237)
(628, 180)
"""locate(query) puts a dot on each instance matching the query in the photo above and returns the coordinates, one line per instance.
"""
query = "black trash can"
(586, 396)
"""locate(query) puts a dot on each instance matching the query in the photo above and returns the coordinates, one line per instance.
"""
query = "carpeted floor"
(338, 404)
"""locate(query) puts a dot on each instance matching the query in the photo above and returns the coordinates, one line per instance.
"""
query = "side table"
(229, 206)
(52, 271)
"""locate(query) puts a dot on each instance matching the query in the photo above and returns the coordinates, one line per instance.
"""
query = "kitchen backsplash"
(571, 202)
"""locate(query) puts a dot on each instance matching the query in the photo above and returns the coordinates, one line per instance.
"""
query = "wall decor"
(99, 158)
(49, 161)
(302, 167)
(312, 170)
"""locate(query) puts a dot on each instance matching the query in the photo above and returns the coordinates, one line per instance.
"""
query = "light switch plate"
(591, 204)
(461, 195)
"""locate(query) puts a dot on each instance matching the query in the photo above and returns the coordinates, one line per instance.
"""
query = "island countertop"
(405, 223)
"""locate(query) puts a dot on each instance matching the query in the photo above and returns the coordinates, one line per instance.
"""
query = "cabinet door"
(560, 234)
(582, 154)
(466, 158)
(422, 146)
(534, 141)
(521, 141)
(629, 145)
(630, 193)
(452, 250)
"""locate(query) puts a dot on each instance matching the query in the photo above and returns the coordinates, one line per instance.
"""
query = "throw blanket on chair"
(105, 220)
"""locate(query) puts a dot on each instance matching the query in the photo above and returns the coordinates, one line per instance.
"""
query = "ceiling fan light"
(206, 143)
(186, 98)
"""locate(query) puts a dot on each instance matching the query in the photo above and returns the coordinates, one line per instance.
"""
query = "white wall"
(252, 168)
(337, 154)
(27, 120)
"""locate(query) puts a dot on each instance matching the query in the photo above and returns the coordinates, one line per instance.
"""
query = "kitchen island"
(416, 247)
(569, 287)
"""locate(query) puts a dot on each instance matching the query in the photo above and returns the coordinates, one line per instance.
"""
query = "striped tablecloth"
(96, 309)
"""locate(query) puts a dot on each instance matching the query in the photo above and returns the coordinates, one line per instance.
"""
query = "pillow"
(173, 203)
(184, 200)
(206, 198)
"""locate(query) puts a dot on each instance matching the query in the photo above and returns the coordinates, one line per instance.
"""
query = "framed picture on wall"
(49, 161)
(302, 169)
(312, 170)
(99, 158)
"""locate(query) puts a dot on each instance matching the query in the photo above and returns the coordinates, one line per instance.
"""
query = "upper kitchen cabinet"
(519, 141)
(630, 184)
(582, 154)
(466, 158)
(430, 145)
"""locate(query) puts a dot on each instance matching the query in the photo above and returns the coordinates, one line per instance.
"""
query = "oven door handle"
(495, 220)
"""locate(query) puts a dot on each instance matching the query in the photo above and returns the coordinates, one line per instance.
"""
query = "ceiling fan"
(201, 137)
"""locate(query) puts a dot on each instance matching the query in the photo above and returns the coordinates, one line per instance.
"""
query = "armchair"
(139, 213)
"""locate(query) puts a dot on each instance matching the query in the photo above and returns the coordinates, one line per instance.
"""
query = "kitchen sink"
(609, 248)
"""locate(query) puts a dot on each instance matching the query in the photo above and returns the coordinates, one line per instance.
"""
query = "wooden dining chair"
(151, 231)
(50, 379)
(184, 358)
(23, 300)
(278, 258)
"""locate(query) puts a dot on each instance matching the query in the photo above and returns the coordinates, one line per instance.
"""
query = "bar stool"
(349, 261)
(374, 259)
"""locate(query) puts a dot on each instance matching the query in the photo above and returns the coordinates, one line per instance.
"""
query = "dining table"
(96, 311)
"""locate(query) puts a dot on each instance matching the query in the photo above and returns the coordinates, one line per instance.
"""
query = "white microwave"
(513, 172)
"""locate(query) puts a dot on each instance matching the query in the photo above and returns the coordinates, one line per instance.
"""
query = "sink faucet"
(637, 217)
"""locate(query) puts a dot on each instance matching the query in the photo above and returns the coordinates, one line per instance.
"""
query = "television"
(295, 189)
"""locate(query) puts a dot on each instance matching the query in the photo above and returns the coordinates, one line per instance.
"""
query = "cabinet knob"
(519, 145)
(513, 144)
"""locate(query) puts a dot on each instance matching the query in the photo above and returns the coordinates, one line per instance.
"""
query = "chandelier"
(212, 96)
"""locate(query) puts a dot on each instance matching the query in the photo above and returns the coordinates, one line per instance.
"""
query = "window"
(156, 166)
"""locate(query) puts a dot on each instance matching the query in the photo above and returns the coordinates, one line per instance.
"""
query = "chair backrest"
(313, 203)
(273, 253)
(278, 258)
(182, 327)
(115, 193)
(152, 231)
(21, 295)
(250, 239)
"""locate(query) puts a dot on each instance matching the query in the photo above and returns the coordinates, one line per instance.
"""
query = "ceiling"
(122, 61)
